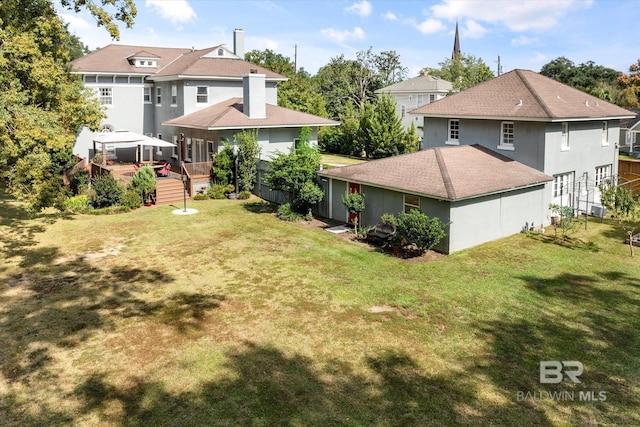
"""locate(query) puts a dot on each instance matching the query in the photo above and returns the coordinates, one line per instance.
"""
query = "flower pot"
(148, 204)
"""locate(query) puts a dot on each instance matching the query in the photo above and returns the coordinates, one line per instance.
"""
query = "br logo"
(553, 372)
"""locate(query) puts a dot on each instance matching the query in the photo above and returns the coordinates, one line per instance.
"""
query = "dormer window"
(220, 52)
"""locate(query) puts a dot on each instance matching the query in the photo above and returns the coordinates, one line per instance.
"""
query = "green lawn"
(232, 317)
(335, 160)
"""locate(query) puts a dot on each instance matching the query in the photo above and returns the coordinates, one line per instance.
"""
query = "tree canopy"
(42, 105)
(463, 71)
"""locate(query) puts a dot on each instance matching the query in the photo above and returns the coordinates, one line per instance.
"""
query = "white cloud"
(341, 36)
(175, 11)
(515, 15)
(430, 26)
(362, 9)
(538, 58)
(389, 16)
(472, 30)
(262, 43)
(523, 41)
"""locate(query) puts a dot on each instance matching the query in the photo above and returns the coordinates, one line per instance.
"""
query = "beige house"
(416, 92)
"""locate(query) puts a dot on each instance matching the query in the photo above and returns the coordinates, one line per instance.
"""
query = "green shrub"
(418, 229)
(244, 195)
(286, 213)
(216, 191)
(80, 181)
(353, 202)
(201, 196)
(131, 198)
(223, 164)
(77, 204)
(115, 209)
(389, 219)
(108, 191)
(144, 182)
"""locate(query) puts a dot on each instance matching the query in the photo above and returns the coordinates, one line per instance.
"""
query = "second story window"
(174, 95)
(565, 136)
(202, 96)
(105, 95)
(432, 97)
(158, 96)
(605, 133)
(454, 132)
(506, 136)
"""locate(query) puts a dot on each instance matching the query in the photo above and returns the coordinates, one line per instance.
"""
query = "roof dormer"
(143, 59)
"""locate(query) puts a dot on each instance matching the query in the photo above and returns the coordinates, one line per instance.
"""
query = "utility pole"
(295, 59)
(499, 66)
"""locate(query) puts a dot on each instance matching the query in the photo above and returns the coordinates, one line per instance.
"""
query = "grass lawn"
(231, 317)
(339, 160)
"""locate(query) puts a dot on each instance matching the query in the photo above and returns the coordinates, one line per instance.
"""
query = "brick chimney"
(254, 95)
(238, 42)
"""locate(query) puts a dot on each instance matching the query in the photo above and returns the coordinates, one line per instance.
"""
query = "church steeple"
(456, 44)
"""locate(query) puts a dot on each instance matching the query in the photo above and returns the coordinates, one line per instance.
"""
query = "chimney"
(254, 95)
(238, 42)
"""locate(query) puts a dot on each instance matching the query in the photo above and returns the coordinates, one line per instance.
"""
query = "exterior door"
(353, 188)
(200, 151)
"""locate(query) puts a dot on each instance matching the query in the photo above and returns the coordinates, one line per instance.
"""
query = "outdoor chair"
(165, 170)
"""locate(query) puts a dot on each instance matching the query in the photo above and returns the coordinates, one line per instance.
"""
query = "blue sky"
(524, 33)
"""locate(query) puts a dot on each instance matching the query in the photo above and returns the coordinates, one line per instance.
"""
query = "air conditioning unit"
(599, 211)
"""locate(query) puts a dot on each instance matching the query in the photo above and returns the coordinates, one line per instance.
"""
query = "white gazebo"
(123, 138)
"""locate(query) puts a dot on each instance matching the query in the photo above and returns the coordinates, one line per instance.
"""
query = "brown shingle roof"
(447, 173)
(423, 82)
(229, 115)
(114, 59)
(522, 94)
(195, 64)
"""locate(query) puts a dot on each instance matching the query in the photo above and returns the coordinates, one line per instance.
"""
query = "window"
(105, 95)
(432, 97)
(420, 103)
(411, 202)
(402, 111)
(605, 134)
(146, 95)
(454, 131)
(174, 152)
(158, 96)
(562, 184)
(602, 174)
(202, 96)
(565, 136)
(506, 136)
(189, 154)
(174, 95)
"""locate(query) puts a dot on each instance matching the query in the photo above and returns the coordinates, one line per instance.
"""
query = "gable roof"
(229, 115)
(172, 63)
(114, 58)
(522, 95)
(632, 122)
(446, 173)
(421, 83)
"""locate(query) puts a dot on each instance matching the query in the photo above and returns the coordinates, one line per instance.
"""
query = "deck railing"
(198, 168)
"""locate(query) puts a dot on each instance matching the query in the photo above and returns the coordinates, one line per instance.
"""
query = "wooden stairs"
(169, 190)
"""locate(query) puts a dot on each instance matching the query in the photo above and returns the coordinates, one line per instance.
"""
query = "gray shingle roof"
(421, 83)
(229, 115)
(524, 95)
(446, 173)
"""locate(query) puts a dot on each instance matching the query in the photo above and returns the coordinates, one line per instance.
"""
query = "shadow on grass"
(266, 387)
(568, 242)
(260, 207)
(572, 317)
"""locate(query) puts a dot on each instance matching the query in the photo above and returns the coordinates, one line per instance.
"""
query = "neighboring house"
(537, 121)
(629, 130)
(480, 194)
(416, 92)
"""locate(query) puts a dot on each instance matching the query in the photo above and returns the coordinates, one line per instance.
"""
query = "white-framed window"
(174, 95)
(174, 153)
(565, 137)
(411, 202)
(602, 174)
(605, 134)
(420, 103)
(432, 97)
(105, 95)
(202, 94)
(453, 132)
(158, 96)
(506, 136)
(189, 150)
(562, 184)
(146, 95)
(211, 147)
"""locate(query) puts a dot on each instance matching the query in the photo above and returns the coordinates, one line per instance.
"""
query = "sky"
(523, 33)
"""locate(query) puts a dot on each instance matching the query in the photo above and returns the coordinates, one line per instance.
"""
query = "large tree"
(42, 105)
(630, 86)
(463, 71)
(381, 133)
